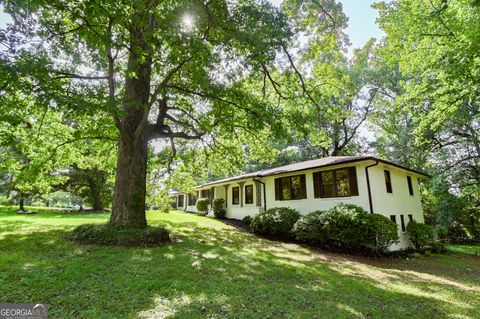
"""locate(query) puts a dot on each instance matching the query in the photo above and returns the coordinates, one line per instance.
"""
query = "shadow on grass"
(220, 273)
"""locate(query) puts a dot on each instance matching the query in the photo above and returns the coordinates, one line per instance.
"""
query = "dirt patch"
(238, 224)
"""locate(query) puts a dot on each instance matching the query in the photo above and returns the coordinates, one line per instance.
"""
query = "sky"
(361, 21)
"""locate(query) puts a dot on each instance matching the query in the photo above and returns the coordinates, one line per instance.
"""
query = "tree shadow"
(222, 273)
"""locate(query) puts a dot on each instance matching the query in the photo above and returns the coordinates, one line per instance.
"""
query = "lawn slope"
(214, 271)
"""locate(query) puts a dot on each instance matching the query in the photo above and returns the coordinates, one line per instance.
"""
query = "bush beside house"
(275, 222)
(247, 220)
(309, 228)
(380, 232)
(218, 207)
(347, 226)
(421, 235)
(202, 205)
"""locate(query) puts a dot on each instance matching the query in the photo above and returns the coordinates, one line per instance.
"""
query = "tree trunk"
(130, 185)
(21, 203)
(131, 172)
(96, 197)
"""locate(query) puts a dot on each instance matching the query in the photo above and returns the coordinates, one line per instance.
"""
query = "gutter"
(368, 184)
(264, 194)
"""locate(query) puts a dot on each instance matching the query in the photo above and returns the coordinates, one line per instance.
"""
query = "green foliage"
(247, 220)
(421, 235)
(431, 111)
(342, 223)
(218, 207)
(347, 226)
(275, 222)
(202, 205)
(106, 234)
(310, 228)
(379, 232)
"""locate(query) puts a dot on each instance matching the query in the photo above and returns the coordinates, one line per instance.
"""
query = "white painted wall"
(399, 202)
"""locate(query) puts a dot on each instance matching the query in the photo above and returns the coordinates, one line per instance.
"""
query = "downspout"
(368, 185)
(264, 194)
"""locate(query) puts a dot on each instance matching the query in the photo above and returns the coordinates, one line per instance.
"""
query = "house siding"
(399, 202)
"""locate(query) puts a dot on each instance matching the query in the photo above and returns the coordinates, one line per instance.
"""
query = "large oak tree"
(161, 69)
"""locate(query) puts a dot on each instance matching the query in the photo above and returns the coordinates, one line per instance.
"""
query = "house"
(377, 185)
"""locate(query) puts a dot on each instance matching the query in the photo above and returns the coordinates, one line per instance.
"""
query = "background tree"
(435, 110)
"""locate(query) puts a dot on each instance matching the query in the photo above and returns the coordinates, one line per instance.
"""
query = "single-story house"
(377, 185)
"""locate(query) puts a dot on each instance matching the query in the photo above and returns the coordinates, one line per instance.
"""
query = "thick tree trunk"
(131, 172)
(130, 185)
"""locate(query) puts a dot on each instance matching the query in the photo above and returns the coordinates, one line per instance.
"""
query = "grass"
(214, 271)
(465, 249)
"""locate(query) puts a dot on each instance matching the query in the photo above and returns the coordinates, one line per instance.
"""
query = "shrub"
(379, 232)
(439, 244)
(202, 205)
(343, 225)
(421, 235)
(106, 234)
(310, 228)
(275, 222)
(247, 220)
(218, 207)
(347, 226)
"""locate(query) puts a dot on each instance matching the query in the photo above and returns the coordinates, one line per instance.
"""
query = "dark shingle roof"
(316, 163)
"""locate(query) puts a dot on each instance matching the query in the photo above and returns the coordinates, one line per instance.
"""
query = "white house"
(377, 185)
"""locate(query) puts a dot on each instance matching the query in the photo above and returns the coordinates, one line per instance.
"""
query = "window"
(410, 217)
(410, 187)
(388, 181)
(249, 194)
(235, 195)
(402, 220)
(205, 193)
(335, 183)
(393, 218)
(290, 187)
(180, 200)
(192, 199)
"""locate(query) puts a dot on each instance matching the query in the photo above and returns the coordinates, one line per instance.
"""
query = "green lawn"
(214, 271)
(465, 249)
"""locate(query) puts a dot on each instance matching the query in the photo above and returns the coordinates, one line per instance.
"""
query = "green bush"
(275, 222)
(218, 207)
(106, 234)
(347, 226)
(343, 225)
(310, 228)
(202, 205)
(421, 235)
(247, 220)
(379, 232)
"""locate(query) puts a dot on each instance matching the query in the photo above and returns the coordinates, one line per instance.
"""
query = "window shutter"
(352, 181)
(278, 188)
(303, 186)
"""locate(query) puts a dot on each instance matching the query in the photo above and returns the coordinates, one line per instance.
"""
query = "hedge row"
(346, 226)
